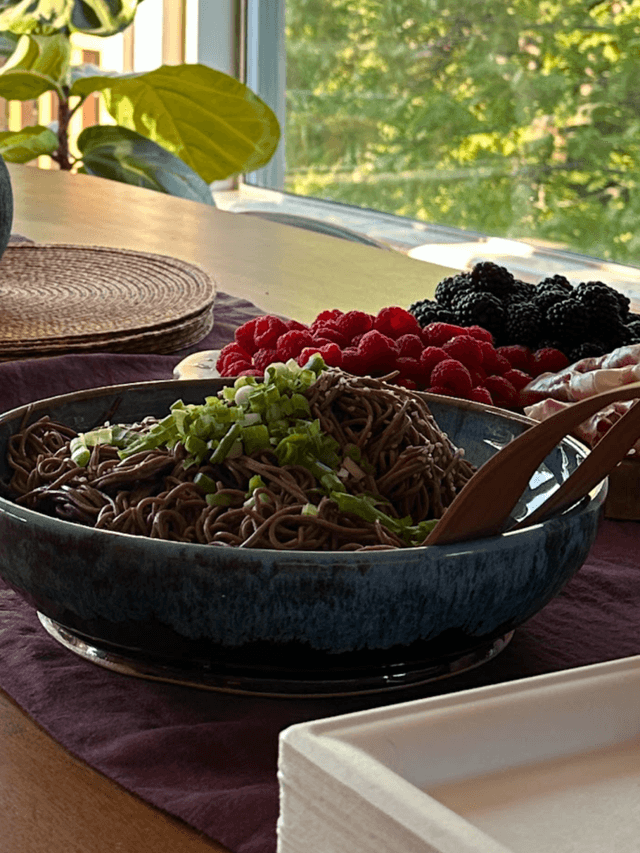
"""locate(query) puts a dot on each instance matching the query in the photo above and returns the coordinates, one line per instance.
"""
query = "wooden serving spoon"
(483, 506)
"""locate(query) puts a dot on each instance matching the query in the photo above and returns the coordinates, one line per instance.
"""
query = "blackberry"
(556, 282)
(490, 277)
(589, 349)
(634, 328)
(545, 298)
(481, 309)
(450, 287)
(427, 311)
(568, 322)
(625, 304)
(597, 297)
(605, 325)
(522, 291)
(523, 323)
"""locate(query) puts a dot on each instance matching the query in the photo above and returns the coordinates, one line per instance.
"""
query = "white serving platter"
(549, 764)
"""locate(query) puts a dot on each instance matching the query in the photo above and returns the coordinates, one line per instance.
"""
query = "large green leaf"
(20, 146)
(25, 85)
(46, 17)
(87, 78)
(47, 55)
(208, 119)
(124, 155)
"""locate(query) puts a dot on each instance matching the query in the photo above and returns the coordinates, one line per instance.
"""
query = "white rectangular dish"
(549, 764)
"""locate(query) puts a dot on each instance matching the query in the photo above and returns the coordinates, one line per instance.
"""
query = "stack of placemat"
(58, 298)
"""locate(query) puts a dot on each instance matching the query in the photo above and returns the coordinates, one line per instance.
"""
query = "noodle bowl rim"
(39, 408)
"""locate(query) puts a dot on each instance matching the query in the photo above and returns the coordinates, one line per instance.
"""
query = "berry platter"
(485, 337)
(442, 358)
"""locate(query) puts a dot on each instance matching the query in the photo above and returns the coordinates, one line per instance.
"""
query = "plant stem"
(61, 156)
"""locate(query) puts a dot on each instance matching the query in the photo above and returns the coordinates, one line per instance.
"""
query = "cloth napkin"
(211, 758)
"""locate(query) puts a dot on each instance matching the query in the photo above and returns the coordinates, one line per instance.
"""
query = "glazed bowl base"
(337, 676)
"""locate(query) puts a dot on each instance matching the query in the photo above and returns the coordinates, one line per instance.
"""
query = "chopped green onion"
(208, 486)
(195, 446)
(218, 499)
(256, 438)
(222, 450)
(80, 453)
(256, 482)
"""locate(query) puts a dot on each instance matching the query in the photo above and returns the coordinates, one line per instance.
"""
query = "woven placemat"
(58, 298)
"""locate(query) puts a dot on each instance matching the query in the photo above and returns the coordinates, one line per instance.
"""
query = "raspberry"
(354, 323)
(409, 346)
(406, 383)
(548, 360)
(306, 354)
(294, 325)
(234, 349)
(378, 351)
(395, 321)
(328, 331)
(478, 376)
(440, 389)
(492, 361)
(332, 355)
(291, 344)
(479, 333)
(331, 314)
(318, 342)
(480, 394)
(466, 349)
(244, 336)
(502, 391)
(250, 371)
(232, 359)
(517, 356)
(518, 378)
(436, 334)
(410, 368)
(429, 358)
(264, 357)
(267, 331)
(352, 361)
(503, 365)
(452, 374)
(232, 366)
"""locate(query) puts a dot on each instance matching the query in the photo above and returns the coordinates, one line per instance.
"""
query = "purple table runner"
(210, 758)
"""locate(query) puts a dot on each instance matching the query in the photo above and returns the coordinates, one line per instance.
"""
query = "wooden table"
(283, 270)
(49, 801)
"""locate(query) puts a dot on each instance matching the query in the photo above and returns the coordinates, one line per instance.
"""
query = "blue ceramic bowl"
(292, 610)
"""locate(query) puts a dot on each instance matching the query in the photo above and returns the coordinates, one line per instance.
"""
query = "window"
(518, 122)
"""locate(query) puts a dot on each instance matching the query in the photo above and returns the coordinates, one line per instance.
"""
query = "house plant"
(177, 128)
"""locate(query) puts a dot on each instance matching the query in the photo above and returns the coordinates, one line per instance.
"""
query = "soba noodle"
(407, 463)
